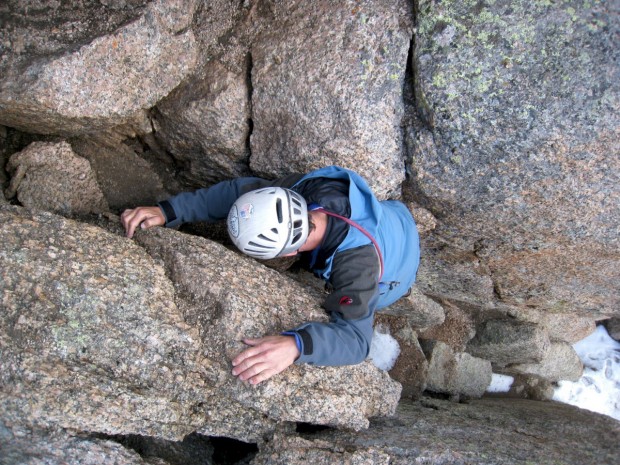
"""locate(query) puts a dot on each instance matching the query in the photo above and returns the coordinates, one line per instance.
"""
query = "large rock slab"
(434, 432)
(83, 67)
(516, 155)
(96, 337)
(247, 299)
(91, 337)
(327, 82)
(205, 123)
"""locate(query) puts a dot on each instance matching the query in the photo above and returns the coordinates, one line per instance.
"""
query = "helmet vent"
(279, 210)
(259, 246)
(265, 238)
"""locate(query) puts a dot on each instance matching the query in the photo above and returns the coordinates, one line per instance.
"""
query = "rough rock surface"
(326, 89)
(58, 447)
(456, 374)
(561, 362)
(125, 179)
(520, 108)
(95, 338)
(480, 432)
(510, 164)
(75, 75)
(458, 276)
(613, 328)
(569, 327)
(205, 123)
(420, 311)
(91, 337)
(507, 341)
(424, 220)
(457, 329)
(411, 366)
(530, 387)
(49, 176)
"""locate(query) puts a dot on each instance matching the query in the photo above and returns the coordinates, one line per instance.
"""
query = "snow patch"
(598, 390)
(384, 349)
(500, 383)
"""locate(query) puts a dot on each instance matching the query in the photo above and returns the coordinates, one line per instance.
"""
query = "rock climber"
(366, 250)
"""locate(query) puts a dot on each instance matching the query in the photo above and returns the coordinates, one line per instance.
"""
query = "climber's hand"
(145, 217)
(268, 356)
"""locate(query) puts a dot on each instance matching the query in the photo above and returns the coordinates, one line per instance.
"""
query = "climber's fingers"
(145, 217)
(267, 357)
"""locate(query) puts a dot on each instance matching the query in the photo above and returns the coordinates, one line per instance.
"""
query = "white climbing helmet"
(268, 223)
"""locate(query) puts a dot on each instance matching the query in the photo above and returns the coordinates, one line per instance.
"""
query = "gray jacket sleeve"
(346, 339)
(209, 204)
(213, 203)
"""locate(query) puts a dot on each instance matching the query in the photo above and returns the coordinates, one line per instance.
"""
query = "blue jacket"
(344, 340)
(353, 267)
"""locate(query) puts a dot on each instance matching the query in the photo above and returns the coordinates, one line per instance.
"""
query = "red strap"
(362, 230)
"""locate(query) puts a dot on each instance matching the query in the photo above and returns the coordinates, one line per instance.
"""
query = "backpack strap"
(316, 207)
